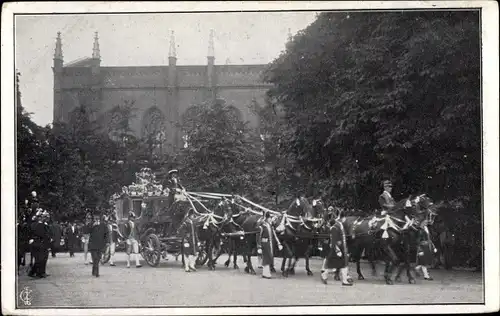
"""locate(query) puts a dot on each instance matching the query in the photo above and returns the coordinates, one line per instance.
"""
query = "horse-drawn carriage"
(158, 217)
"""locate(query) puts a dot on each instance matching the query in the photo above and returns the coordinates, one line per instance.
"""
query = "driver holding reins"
(173, 185)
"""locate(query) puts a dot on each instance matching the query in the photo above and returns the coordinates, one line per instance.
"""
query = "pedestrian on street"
(72, 237)
(87, 227)
(57, 237)
(98, 241)
(132, 242)
(337, 256)
(190, 242)
(266, 244)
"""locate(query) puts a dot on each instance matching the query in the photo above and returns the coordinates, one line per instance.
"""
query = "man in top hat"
(266, 241)
(40, 242)
(173, 185)
(190, 241)
(98, 241)
(132, 235)
(385, 199)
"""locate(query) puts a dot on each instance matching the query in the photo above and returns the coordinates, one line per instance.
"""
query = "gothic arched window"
(154, 130)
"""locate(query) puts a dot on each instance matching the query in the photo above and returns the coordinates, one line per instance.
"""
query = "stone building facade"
(159, 94)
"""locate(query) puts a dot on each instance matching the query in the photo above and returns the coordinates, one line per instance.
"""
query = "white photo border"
(490, 105)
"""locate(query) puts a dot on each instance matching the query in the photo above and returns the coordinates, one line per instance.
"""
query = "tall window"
(154, 131)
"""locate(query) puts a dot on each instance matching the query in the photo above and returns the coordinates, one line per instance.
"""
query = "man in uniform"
(266, 241)
(132, 235)
(337, 256)
(190, 241)
(113, 237)
(385, 199)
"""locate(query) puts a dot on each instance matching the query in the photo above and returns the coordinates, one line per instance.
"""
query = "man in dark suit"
(98, 241)
(72, 237)
(56, 236)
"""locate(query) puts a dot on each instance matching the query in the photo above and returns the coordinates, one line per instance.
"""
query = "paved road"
(70, 284)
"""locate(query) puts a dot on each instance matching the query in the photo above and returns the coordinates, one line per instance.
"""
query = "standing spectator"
(57, 237)
(87, 227)
(98, 240)
(72, 237)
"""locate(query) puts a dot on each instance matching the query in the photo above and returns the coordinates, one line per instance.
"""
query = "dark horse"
(298, 228)
(241, 227)
(395, 234)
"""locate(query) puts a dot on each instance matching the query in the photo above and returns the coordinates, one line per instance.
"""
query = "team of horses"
(303, 227)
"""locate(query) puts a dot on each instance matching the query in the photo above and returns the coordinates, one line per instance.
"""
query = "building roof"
(80, 62)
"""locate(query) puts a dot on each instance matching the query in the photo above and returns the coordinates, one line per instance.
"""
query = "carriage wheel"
(151, 250)
(106, 255)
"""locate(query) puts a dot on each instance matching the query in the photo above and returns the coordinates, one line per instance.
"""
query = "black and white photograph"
(250, 157)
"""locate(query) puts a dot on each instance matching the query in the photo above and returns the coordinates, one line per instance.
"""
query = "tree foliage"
(222, 153)
(369, 96)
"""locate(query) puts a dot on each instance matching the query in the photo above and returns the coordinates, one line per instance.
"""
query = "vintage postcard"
(250, 157)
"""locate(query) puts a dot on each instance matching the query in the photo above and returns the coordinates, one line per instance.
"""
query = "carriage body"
(157, 222)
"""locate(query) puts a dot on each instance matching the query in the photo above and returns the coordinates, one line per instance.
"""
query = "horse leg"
(398, 274)
(389, 267)
(229, 253)
(356, 256)
(235, 257)
(283, 262)
(309, 272)
(210, 247)
(291, 269)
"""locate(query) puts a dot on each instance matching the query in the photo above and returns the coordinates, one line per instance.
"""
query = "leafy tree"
(222, 153)
(369, 96)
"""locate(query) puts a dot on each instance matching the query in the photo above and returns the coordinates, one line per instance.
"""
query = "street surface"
(71, 284)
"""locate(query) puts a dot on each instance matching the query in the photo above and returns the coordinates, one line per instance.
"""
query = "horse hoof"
(389, 282)
(247, 270)
(309, 273)
(253, 272)
(411, 281)
(273, 270)
(226, 264)
(336, 278)
(236, 266)
(284, 274)
(397, 279)
(429, 279)
(360, 277)
(324, 281)
(292, 271)
(350, 280)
